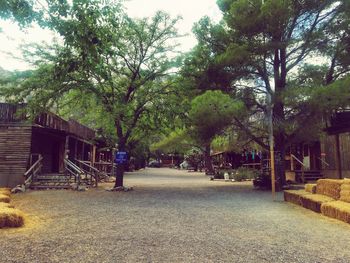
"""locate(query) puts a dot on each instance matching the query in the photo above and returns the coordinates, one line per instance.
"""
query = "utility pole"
(271, 143)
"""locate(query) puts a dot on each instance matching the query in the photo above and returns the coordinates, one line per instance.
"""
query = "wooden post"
(338, 156)
(93, 155)
(66, 146)
(272, 150)
(83, 151)
(75, 148)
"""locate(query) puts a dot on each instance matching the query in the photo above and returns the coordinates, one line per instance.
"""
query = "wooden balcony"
(15, 113)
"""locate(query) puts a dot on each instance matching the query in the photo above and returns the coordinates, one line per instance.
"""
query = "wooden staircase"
(52, 181)
(309, 175)
(76, 174)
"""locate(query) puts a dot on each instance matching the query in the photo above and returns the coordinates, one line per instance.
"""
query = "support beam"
(338, 157)
(75, 149)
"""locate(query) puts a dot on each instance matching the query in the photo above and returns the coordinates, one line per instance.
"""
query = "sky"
(190, 10)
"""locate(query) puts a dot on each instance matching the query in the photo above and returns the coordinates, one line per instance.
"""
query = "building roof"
(15, 114)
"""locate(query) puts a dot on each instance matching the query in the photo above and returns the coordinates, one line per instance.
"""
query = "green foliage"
(332, 97)
(211, 113)
(21, 11)
(177, 141)
(244, 173)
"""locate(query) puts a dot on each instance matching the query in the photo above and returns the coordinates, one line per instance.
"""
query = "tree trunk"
(119, 180)
(119, 176)
(207, 160)
(280, 75)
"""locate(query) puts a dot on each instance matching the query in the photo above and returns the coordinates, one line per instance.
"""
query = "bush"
(244, 173)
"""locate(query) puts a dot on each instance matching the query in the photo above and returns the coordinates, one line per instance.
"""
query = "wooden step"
(50, 187)
(310, 175)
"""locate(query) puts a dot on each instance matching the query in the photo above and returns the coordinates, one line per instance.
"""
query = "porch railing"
(302, 166)
(323, 161)
(90, 170)
(35, 168)
(73, 170)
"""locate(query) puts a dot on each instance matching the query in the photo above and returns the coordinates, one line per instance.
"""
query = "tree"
(121, 64)
(262, 44)
(21, 11)
(210, 113)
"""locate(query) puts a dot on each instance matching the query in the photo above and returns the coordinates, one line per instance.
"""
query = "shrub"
(244, 173)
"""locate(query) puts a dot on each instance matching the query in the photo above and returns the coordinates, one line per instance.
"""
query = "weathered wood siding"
(15, 144)
(328, 145)
(344, 139)
(328, 151)
(50, 145)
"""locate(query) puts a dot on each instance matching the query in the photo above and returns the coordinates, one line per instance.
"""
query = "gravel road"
(171, 216)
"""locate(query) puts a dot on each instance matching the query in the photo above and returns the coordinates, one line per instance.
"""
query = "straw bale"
(5, 191)
(4, 198)
(2, 205)
(314, 201)
(337, 209)
(329, 187)
(293, 196)
(345, 192)
(10, 217)
(311, 188)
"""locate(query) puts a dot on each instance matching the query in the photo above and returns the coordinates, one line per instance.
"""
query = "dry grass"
(329, 187)
(337, 209)
(10, 217)
(311, 188)
(314, 201)
(4, 198)
(5, 191)
(345, 192)
(293, 196)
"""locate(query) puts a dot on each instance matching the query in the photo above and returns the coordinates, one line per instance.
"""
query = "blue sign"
(121, 157)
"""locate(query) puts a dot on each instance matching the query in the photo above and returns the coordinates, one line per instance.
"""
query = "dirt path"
(171, 216)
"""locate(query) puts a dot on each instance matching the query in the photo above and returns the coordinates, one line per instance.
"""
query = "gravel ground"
(171, 216)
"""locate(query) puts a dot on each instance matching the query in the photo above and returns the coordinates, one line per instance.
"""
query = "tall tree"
(121, 63)
(262, 44)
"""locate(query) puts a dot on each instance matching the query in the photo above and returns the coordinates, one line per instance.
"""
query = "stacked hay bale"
(311, 188)
(329, 187)
(9, 216)
(293, 196)
(330, 197)
(327, 190)
(314, 202)
(339, 209)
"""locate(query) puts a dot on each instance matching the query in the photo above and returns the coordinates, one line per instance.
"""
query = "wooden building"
(48, 137)
(328, 157)
(335, 146)
(303, 161)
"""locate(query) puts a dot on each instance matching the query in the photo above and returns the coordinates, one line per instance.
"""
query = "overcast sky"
(190, 10)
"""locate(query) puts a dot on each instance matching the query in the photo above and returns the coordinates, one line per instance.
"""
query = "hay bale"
(4, 198)
(6, 205)
(314, 201)
(293, 196)
(337, 209)
(5, 191)
(10, 217)
(345, 192)
(329, 187)
(311, 188)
